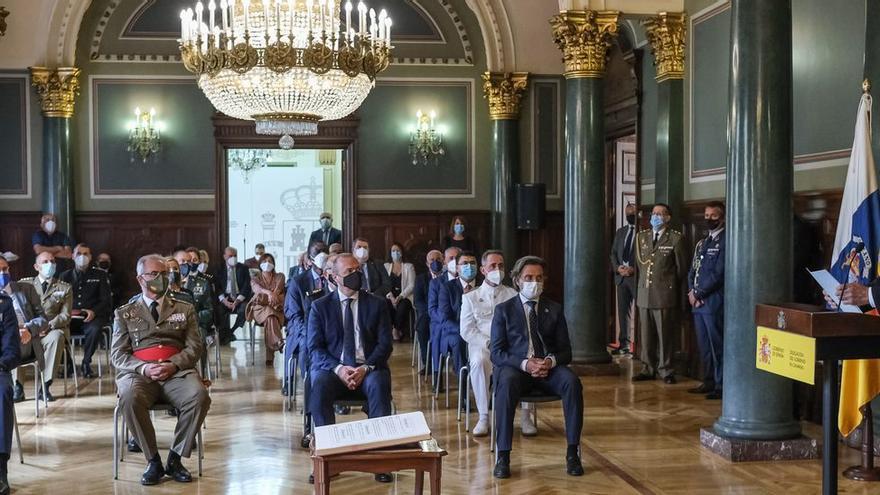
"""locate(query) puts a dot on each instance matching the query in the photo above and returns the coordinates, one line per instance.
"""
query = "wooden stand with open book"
(837, 336)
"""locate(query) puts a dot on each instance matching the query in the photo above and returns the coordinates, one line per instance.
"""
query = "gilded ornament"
(57, 89)
(504, 92)
(667, 34)
(584, 37)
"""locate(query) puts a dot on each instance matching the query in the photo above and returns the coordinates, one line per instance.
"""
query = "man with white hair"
(232, 285)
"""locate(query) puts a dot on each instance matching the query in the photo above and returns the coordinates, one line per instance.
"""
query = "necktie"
(366, 278)
(537, 342)
(348, 346)
(327, 237)
(318, 284)
(233, 282)
(656, 237)
(627, 246)
(467, 288)
(45, 286)
(154, 310)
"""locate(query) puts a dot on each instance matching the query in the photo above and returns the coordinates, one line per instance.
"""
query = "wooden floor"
(641, 439)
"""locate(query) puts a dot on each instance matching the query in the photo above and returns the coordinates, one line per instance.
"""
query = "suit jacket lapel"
(361, 313)
(165, 310)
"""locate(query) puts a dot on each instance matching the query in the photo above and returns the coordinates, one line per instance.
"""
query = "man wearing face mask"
(661, 267)
(624, 267)
(10, 356)
(254, 263)
(232, 284)
(477, 308)
(706, 297)
(349, 340)
(376, 280)
(434, 263)
(56, 298)
(50, 239)
(105, 263)
(531, 350)
(92, 303)
(30, 319)
(449, 308)
(326, 234)
(156, 345)
(450, 273)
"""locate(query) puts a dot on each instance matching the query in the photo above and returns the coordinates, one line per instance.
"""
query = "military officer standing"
(661, 267)
(156, 345)
(706, 297)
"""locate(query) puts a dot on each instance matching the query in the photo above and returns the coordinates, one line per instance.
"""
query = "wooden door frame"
(342, 134)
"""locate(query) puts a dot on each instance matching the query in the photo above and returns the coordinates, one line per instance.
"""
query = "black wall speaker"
(530, 206)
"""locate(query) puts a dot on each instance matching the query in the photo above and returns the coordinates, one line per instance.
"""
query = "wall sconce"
(426, 142)
(143, 137)
(3, 15)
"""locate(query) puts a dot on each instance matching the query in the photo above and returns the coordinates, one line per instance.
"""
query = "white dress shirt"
(477, 310)
(359, 357)
(531, 353)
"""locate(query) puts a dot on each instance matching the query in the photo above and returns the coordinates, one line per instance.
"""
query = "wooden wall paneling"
(16, 230)
(548, 244)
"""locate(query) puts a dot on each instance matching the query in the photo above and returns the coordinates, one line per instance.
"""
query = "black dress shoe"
(341, 409)
(422, 372)
(502, 468)
(643, 377)
(176, 470)
(670, 380)
(133, 445)
(714, 395)
(154, 473)
(384, 478)
(573, 466)
(4, 484)
(49, 396)
(305, 441)
(86, 371)
(704, 388)
(18, 393)
(312, 478)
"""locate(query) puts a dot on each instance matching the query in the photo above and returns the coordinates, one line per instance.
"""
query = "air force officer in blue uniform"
(706, 297)
(530, 350)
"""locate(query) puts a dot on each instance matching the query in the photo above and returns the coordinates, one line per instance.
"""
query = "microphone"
(858, 247)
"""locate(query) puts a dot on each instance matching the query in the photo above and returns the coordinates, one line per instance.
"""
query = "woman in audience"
(458, 238)
(204, 261)
(266, 308)
(403, 279)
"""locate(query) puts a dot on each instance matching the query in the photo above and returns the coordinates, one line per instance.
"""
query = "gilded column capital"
(667, 33)
(584, 37)
(57, 89)
(504, 90)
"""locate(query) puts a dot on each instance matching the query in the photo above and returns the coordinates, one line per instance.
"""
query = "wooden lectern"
(832, 337)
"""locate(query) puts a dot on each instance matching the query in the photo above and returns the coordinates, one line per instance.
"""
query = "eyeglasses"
(151, 275)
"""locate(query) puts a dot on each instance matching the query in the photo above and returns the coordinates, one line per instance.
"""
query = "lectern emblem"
(780, 320)
(764, 350)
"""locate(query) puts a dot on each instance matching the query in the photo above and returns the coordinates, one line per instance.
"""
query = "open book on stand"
(369, 434)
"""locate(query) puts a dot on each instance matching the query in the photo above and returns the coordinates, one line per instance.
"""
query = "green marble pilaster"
(57, 173)
(669, 182)
(505, 163)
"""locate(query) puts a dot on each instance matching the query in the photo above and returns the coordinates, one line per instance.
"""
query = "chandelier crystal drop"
(286, 64)
(248, 161)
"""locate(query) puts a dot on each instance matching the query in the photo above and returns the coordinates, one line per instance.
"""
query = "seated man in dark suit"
(302, 291)
(10, 355)
(326, 234)
(349, 336)
(435, 316)
(434, 262)
(232, 284)
(376, 279)
(449, 308)
(530, 350)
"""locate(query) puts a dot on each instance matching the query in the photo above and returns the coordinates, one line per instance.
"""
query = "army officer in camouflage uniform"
(156, 345)
(661, 265)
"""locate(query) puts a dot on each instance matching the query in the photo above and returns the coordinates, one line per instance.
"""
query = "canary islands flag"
(856, 249)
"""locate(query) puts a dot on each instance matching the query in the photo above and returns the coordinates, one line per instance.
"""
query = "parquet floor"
(641, 439)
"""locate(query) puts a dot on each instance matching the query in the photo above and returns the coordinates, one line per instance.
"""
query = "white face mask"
(531, 290)
(231, 261)
(203, 267)
(50, 226)
(266, 266)
(82, 260)
(47, 270)
(495, 277)
(319, 261)
(361, 253)
(451, 267)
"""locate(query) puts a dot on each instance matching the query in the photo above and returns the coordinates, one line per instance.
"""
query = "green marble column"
(757, 405)
(583, 37)
(504, 91)
(57, 90)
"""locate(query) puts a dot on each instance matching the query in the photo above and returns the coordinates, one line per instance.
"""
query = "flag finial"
(866, 85)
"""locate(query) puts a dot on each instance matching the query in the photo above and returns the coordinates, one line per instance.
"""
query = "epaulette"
(27, 279)
(178, 297)
(131, 301)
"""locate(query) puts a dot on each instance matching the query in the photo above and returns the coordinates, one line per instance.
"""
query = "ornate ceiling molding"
(497, 33)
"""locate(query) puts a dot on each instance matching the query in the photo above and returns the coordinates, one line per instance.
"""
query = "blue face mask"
(436, 266)
(468, 271)
(656, 222)
(458, 228)
(4, 279)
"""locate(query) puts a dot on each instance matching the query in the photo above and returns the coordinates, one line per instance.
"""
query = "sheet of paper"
(829, 285)
(372, 433)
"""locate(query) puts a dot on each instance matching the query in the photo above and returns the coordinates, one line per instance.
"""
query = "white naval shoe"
(527, 425)
(482, 427)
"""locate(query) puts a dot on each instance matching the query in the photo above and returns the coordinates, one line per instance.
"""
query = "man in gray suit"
(623, 266)
(31, 322)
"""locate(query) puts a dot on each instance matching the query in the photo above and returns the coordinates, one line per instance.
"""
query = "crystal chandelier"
(285, 64)
(248, 161)
(425, 142)
(143, 138)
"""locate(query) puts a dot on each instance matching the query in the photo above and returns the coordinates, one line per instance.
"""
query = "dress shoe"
(49, 396)
(312, 478)
(422, 372)
(644, 377)
(133, 445)
(87, 371)
(704, 388)
(306, 441)
(502, 468)
(4, 484)
(18, 392)
(341, 409)
(154, 473)
(176, 470)
(528, 426)
(670, 380)
(384, 478)
(482, 427)
(573, 466)
(714, 395)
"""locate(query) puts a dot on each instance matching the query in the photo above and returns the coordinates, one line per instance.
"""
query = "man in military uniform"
(31, 322)
(10, 355)
(706, 297)
(156, 345)
(56, 297)
(199, 285)
(661, 267)
(92, 303)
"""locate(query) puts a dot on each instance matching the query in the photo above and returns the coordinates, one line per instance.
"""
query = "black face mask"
(104, 265)
(352, 281)
(713, 224)
(184, 269)
(631, 219)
